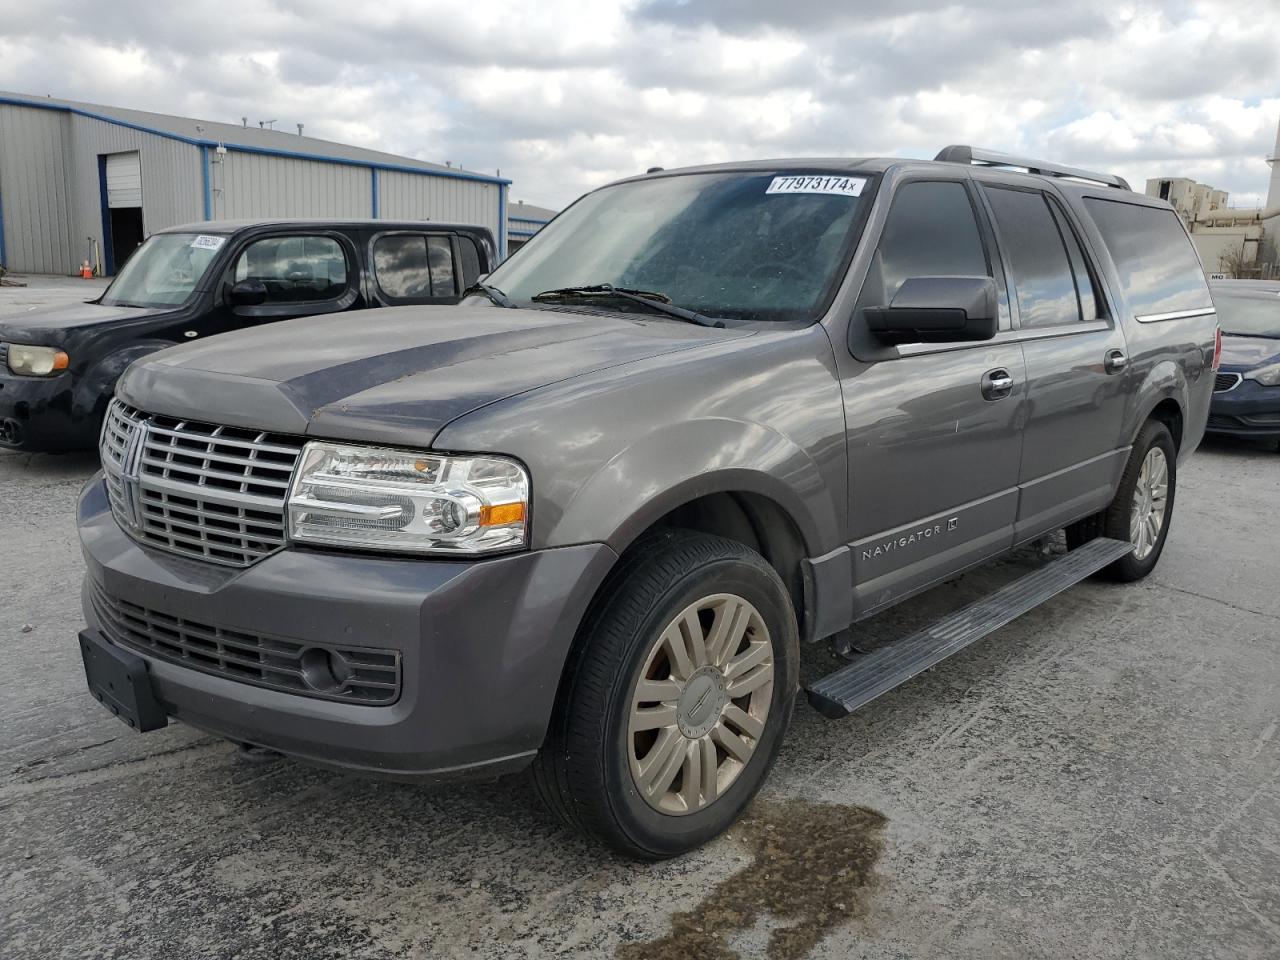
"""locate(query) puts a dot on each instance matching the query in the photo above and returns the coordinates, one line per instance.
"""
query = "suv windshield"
(163, 271)
(748, 246)
(1256, 315)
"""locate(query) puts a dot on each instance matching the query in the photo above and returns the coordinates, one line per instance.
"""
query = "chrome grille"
(213, 492)
(1226, 381)
(349, 674)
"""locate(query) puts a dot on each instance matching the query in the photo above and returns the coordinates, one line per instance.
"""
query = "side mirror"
(248, 293)
(938, 310)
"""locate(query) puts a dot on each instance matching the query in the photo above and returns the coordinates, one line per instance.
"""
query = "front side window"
(411, 266)
(164, 271)
(931, 231)
(740, 245)
(1042, 274)
(295, 269)
(1159, 270)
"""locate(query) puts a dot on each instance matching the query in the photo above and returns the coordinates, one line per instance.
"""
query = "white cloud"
(563, 95)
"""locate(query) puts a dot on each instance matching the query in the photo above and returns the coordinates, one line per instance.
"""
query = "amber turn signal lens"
(61, 361)
(501, 514)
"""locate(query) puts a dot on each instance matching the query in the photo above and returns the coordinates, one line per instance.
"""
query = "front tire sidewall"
(663, 834)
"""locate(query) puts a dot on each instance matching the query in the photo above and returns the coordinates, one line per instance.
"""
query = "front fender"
(94, 387)
(680, 462)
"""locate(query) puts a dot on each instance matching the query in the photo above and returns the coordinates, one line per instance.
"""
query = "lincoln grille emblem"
(130, 471)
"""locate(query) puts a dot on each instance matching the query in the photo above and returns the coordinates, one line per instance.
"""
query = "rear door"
(413, 266)
(1076, 361)
(933, 451)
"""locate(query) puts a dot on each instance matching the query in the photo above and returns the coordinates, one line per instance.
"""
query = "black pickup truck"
(58, 367)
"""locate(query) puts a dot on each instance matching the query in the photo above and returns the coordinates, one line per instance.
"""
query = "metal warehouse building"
(79, 181)
(523, 221)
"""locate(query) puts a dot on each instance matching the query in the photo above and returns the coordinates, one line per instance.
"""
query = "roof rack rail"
(989, 158)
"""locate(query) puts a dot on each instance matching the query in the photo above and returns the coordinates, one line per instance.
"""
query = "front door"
(1076, 360)
(934, 436)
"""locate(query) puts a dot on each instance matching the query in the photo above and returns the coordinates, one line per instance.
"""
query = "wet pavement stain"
(813, 866)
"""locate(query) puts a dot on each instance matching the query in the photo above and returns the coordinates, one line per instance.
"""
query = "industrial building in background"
(85, 182)
(1240, 242)
(523, 221)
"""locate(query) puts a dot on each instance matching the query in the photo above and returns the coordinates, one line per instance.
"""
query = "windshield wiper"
(607, 291)
(493, 293)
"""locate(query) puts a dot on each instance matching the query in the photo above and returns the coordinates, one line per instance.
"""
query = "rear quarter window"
(1159, 270)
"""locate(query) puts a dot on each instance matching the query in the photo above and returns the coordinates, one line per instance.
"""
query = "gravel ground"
(1099, 779)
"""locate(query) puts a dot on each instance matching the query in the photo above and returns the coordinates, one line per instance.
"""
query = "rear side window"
(1043, 277)
(296, 269)
(413, 267)
(1158, 267)
(931, 231)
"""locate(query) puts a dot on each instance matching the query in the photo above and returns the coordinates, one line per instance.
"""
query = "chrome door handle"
(1114, 361)
(996, 384)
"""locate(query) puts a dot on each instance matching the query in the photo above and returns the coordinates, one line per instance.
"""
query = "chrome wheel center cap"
(702, 702)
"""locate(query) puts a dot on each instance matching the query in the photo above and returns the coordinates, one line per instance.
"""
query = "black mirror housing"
(938, 310)
(248, 293)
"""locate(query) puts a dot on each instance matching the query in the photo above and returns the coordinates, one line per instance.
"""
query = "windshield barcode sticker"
(840, 186)
(206, 242)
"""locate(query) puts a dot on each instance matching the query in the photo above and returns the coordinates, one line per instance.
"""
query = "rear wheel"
(676, 699)
(1142, 508)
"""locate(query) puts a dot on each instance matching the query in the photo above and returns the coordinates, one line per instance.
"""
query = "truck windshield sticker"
(206, 242)
(840, 186)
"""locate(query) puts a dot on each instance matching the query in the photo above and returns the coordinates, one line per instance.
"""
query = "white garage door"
(124, 180)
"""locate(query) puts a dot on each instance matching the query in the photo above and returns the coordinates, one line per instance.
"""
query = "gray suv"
(585, 521)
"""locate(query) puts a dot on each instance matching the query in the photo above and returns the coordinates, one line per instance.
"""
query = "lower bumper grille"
(348, 674)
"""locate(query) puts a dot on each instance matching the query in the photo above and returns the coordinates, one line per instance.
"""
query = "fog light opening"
(324, 670)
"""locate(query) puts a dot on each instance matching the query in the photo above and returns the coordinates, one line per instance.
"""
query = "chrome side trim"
(1175, 315)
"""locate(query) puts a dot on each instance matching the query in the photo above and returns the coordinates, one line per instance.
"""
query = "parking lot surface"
(1099, 779)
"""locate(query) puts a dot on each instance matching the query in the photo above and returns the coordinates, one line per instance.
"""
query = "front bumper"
(39, 414)
(482, 645)
(1247, 410)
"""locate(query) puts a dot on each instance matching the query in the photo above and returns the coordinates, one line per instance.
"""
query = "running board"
(840, 693)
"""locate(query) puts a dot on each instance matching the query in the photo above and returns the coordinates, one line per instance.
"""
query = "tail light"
(1217, 349)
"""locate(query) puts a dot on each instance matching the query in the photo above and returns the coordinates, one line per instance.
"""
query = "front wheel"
(1142, 508)
(676, 698)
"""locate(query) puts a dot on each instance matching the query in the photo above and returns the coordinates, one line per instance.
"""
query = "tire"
(1116, 521)
(591, 767)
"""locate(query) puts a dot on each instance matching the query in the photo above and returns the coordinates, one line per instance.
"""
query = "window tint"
(1158, 267)
(413, 267)
(470, 255)
(1090, 303)
(295, 269)
(1041, 272)
(930, 232)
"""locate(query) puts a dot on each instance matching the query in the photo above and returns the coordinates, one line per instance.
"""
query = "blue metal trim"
(522, 233)
(373, 197)
(108, 260)
(208, 190)
(541, 223)
(264, 151)
(2, 250)
(502, 220)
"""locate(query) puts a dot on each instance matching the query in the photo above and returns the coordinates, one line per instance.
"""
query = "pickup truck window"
(742, 245)
(163, 271)
(295, 269)
(1159, 270)
(1041, 269)
(470, 256)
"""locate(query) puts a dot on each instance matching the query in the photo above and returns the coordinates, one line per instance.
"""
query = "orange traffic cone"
(86, 271)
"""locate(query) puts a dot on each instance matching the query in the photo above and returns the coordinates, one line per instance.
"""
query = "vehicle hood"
(1249, 352)
(47, 325)
(392, 375)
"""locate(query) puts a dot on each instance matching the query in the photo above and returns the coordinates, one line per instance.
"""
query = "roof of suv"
(235, 226)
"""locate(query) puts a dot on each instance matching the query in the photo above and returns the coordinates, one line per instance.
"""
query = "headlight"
(1267, 376)
(370, 498)
(36, 361)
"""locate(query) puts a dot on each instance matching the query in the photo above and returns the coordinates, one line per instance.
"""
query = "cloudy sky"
(563, 96)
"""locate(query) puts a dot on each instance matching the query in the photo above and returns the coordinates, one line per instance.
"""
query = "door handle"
(1114, 361)
(997, 384)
